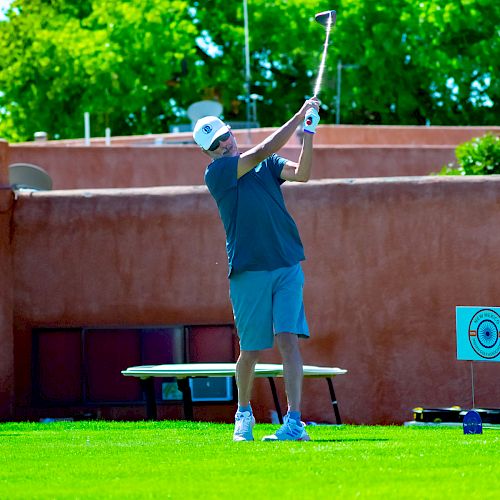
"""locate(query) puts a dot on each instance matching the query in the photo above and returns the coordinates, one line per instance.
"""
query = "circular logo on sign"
(207, 129)
(484, 333)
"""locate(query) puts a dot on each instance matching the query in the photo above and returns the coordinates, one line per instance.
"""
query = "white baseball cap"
(207, 129)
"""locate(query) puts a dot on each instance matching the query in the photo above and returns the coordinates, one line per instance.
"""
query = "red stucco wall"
(387, 262)
(122, 167)
(340, 152)
(326, 135)
(6, 290)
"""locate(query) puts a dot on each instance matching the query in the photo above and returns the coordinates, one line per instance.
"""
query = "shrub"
(479, 156)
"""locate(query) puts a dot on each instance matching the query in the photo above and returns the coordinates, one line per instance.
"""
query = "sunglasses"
(217, 141)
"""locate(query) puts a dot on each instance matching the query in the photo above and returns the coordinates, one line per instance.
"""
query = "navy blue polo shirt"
(260, 233)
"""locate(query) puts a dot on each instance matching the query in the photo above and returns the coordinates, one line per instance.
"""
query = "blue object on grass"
(473, 423)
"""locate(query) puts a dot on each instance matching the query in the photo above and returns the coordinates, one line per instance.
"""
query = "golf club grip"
(308, 118)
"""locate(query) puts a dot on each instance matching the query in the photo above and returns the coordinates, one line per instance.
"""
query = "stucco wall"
(326, 135)
(340, 152)
(6, 290)
(126, 166)
(387, 262)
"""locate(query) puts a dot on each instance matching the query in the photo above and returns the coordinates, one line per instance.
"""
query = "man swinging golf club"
(264, 253)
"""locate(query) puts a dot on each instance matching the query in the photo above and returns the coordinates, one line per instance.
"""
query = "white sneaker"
(243, 425)
(291, 430)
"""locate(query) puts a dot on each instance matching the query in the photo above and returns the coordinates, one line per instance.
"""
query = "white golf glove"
(311, 121)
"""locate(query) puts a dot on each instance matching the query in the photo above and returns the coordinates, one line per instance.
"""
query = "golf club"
(326, 19)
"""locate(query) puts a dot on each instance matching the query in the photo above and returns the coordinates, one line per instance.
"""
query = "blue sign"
(473, 423)
(478, 333)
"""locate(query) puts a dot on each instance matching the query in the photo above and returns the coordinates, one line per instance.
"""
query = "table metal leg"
(275, 398)
(183, 384)
(148, 387)
(334, 401)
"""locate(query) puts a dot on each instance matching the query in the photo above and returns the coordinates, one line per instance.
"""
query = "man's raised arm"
(275, 141)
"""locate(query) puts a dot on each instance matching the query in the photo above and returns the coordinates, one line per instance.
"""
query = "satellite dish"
(28, 176)
(200, 109)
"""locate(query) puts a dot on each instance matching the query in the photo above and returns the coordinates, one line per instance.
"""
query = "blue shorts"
(266, 303)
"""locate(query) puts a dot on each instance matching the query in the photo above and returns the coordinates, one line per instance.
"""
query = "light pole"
(340, 66)
(247, 63)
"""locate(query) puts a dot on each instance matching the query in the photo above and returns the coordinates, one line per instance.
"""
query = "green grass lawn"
(189, 460)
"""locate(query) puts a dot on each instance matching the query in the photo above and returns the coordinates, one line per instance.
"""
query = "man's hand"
(301, 171)
(311, 121)
(312, 103)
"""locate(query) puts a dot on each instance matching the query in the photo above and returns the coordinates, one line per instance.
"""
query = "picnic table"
(182, 372)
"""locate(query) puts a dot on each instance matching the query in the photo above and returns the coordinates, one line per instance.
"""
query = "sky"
(3, 6)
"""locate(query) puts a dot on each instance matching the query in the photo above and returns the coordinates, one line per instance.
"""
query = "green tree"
(136, 65)
(459, 46)
(120, 61)
(285, 51)
(427, 62)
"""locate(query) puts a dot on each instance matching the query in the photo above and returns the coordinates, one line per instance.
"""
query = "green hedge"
(479, 156)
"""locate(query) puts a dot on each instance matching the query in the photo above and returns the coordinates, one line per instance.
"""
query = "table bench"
(183, 372)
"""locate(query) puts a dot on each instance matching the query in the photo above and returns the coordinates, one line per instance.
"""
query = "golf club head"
(323, 17)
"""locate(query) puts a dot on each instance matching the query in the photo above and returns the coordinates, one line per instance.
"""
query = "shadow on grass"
(346, 440)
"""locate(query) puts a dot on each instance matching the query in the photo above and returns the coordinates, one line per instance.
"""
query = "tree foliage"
(136, 65)
(120, 61)
(421, 62)
(479, 156)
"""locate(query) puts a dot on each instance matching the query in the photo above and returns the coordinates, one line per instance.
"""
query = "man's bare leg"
(293, 372)
(245, 374)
